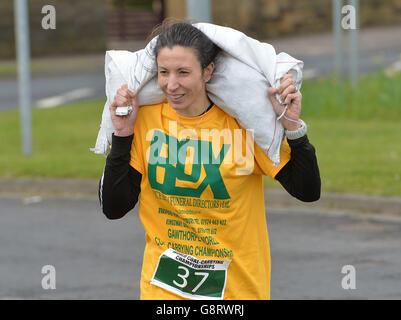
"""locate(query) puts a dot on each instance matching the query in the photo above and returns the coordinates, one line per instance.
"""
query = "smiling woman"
(185, 61)
(219, 205)
(183, 80)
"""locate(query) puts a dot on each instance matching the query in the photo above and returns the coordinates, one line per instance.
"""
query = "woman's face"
(182, 80)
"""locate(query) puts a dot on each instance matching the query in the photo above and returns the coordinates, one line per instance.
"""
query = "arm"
(120, 185)
(300, 176)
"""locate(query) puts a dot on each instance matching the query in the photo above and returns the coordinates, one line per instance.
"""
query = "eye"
(162, 72)
(183, 72)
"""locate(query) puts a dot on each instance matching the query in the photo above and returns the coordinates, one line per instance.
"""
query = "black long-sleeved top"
(119, 187)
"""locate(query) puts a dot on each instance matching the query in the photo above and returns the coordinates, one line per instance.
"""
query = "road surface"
(96, 258)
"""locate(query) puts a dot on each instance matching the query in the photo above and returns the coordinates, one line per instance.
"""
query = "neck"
(196, 109)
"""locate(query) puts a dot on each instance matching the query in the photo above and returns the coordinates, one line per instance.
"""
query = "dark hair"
(172, 33)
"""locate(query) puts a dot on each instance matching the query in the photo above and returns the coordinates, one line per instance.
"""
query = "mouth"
(176, 97)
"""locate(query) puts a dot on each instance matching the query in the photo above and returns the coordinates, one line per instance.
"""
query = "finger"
(122, 95)
(286, 76)
(289, 98)
(286, 83)
(272, 91)
(131, 93)
(278, 108)
(121, 101)
(292, 97)
(288, 90)
(272, 95)
(134, 100)
(123, 92)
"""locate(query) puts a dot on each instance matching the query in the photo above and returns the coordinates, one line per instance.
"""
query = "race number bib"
(190, 277)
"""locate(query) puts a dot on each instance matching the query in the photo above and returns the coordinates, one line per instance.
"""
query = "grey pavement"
(275, 198)
(370, 39)
(55, 87)
(96, 258)
(58, 222)
(379, 48)
(310, 249)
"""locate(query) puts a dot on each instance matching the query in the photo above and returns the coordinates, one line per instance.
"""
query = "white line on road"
(55, 101)
(394, 68)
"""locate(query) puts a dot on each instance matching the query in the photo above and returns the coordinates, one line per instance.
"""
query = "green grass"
(62, 137)
(356, 156)
(8, 68)
(356, 132)
(377, 96)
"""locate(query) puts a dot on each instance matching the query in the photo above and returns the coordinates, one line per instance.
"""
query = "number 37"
(185, 275)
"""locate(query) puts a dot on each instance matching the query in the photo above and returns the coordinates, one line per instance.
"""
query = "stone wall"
(80, 28)
(272, 18)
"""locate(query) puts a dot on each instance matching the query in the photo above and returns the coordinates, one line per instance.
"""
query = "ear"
(208, 71)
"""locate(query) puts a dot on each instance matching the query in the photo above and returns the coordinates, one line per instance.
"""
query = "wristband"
(300, 132)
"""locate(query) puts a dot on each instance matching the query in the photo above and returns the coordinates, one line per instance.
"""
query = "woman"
(206, 233)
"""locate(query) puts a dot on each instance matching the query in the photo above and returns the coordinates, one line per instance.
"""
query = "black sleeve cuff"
(120, 146)
(300, 176)
(298, 142)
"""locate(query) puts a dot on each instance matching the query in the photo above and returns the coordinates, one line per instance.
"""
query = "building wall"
(176, 9)
(272, 18)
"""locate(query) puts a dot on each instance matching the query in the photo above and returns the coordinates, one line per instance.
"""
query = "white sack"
(244, 70)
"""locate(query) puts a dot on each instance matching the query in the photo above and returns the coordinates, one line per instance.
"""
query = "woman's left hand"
(291, 98)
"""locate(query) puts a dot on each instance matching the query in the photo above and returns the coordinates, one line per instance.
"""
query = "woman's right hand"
(124, 125)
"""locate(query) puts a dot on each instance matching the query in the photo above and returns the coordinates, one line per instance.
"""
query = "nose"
(172, 83)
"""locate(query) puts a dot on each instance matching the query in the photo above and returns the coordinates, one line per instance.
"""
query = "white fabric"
(244, 70)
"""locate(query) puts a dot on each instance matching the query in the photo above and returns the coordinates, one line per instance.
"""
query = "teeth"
(178, 96)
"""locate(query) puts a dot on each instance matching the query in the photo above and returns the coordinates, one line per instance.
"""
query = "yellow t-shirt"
(202, 196)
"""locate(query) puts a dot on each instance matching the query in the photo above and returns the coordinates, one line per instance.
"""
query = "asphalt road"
(96, 258)
(65, 88)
